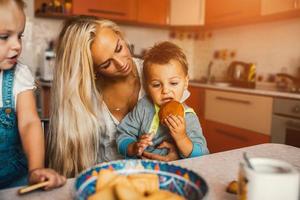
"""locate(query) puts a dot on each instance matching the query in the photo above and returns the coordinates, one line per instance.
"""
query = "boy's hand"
(46, 174)
(176, 125)
(144, 141)
(171, 156)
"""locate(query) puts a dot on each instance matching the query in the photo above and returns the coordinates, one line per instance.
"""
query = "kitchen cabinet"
(250, 112)
(124, 10)
(196, 100)
(234, 120)
(139, 12)
(235, 12)
(223, 137)
(279, 6)
(229, 12)
(280, 9)
(45, 100)
(187, 13)
(155, 12)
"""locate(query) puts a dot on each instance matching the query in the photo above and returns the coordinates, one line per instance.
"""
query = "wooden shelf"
(53, 15)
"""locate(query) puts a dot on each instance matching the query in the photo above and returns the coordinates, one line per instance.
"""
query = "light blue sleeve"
(129, 129)
(194, 132)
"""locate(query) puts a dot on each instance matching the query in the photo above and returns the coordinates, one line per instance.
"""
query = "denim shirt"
(13, 163)
(140, 121)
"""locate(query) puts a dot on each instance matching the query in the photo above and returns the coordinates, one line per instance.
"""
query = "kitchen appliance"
(242, 74)
(286, 122)
(287, 83)
(46, 72)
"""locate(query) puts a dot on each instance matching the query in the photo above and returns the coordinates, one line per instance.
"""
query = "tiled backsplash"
(274, 47)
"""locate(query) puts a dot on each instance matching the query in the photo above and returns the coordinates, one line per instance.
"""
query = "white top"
(108, 147)
(23, 80)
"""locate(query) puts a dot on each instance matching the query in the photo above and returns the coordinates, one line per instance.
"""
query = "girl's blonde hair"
(75, 122)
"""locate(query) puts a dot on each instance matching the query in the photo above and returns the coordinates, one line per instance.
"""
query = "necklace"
(122, 101)
(129, 101)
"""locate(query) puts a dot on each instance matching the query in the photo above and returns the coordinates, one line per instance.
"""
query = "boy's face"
(166, 82)
(12, 23)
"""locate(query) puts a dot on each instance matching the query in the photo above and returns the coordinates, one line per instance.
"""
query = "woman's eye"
(119, 48)
(4, 37)
(104, 65)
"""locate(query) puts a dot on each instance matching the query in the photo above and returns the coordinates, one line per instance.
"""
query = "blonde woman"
(96, 83)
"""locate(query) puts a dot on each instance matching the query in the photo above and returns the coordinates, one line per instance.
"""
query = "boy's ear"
(186, 82)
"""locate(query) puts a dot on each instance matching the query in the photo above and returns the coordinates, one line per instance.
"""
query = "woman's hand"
(46, 174)
(172, 155)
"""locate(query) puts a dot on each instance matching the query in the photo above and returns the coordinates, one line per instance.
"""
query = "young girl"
(165, 78)
(21, 136)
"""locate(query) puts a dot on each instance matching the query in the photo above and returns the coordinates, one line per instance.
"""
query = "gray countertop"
(217, 169)
(259, 90)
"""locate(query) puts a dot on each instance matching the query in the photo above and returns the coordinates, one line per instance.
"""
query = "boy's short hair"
(162, 53)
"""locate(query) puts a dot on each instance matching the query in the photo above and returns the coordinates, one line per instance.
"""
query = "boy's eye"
(174, 83)
(20, 36)
(155, 85)
(4, 37)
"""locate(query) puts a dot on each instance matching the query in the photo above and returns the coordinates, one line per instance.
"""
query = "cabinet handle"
(295, 3)
(228, 14)
(109, 12)
(293, 125)
(233, 100)
(296, 109)
(237, 137)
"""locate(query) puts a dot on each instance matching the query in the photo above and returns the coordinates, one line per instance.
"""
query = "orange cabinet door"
(280, 9)
(227, 12)
(221, 137)
(196, 101)
(155, 12)
(124, 10)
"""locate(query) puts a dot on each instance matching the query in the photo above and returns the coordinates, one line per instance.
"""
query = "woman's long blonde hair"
(75, 122)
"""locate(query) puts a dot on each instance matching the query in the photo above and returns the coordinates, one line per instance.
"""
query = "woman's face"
(110, 54)
(12, 23)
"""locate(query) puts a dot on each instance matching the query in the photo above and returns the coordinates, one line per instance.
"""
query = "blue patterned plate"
(171, 177)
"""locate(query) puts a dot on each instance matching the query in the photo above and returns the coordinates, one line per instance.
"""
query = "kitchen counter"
(217, 169)
(259, 90)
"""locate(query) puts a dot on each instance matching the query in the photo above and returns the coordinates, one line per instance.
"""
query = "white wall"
(273, 46)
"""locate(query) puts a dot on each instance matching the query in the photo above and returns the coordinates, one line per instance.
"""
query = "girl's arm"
(30, 130)
(33, 142)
